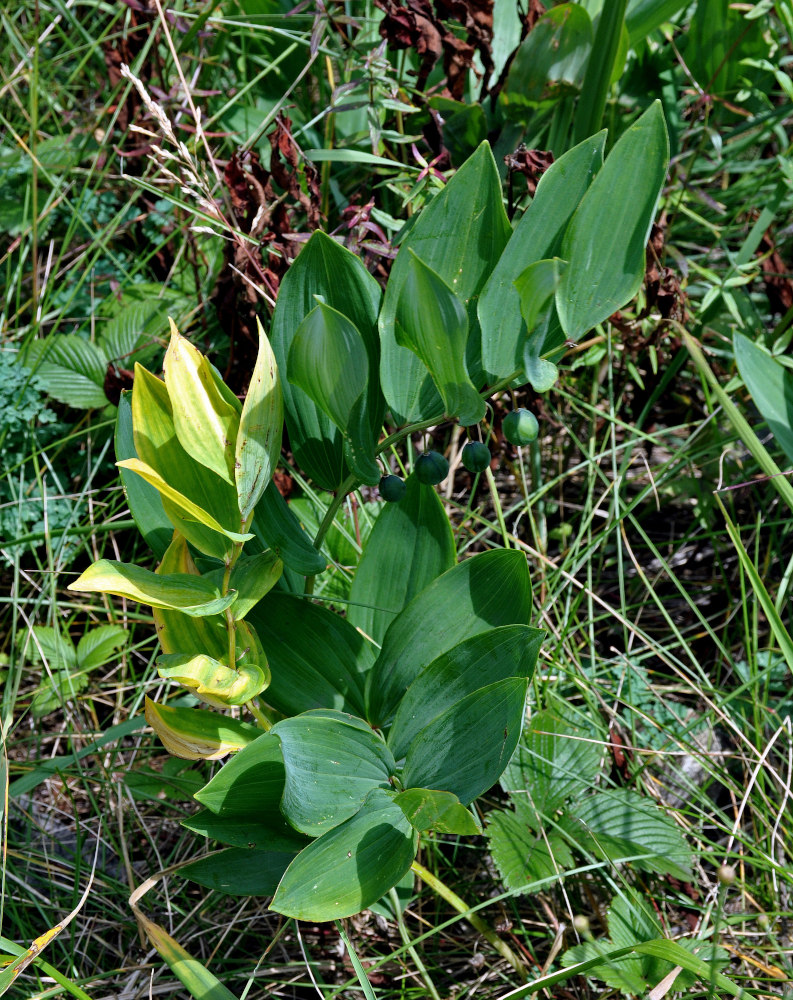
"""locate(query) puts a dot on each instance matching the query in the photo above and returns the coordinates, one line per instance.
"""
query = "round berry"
(431, 468)
(520, 427)
(476, 456)
(392, 488)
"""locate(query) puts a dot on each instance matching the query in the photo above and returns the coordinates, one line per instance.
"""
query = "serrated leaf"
(521, 855)
(71, 369)
(53, 645)
(53, 691)
(212, 681)
(97, 646)
(261, 429)
(606, 239)
(332, 762)
(196, 734)
(351, 866)
(429, 809)
(192, 595)
(481, 593)
(410, 545)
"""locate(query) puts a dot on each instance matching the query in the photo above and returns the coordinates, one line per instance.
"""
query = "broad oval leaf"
(466, 748)
(251, 577)
(192, 595)
(442, 812)
(481, 593)
(250, 785)
(261, 828)
(239, 871)
(324, 268)
(521, 855)
(317, 659)
(538, 235)
(275, 525)
(432, 322)
(509, 651)
(213, 681)
(261, 429)
(606, 240)
(460, 235)
(411, 544)
(771, 386)
(351, 866)
(196, 734)
(205, 423)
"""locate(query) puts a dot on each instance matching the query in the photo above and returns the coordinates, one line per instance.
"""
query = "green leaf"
(53, 645)
(550, 63)
(143, 500)
(556, 761)
(466, 748)
(325, 269)
(251, 784)
(132, 324)
(481, 593)
(352, 866)
(99, 644)
(509, 651)
(410, 545)
(205, 423)
(317, 659)
(53, 691)
(616, 823)
(173, 499)
(157, 445)
(332, 762)
(276, 526)
(771, 386)
(239, 871)
(212, 681)
(261, 429)
(255, 828)
(252, 577)
(196, 734)
(192, 595)
(521, 855)
(429, 809)
(460, 235)
(538, 235)
(432, 322)
(601, 65)
(71, 369)
(606, 240)
(644, 16)
(328, 360)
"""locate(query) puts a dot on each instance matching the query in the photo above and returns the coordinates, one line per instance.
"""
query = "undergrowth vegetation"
(462, 510)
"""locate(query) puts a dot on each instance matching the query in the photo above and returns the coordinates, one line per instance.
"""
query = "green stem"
(259, 715)
(403, 933)
(473, 919)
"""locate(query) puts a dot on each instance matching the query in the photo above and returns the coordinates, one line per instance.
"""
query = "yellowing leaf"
(261, 428)
(213, 681)
(206, 424)
(195, 734)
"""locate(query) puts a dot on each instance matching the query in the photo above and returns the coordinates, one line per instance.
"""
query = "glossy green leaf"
(460, 235)
(265, 829)
(206, 425)
(181, 633)
(172, 498)
(240, 871)
(557, 760)
(197, 734)
(606, 240)
(442, 812)
(258, 445)
(99, 644)
(157, 445)
(351, 866)
(410, 545)
(332, 762)
(481, 593)
(324, 268)
(432, 322)
(537, 236)
(551, 61)
(277, 528)
(771, 386)
(192, 595)
(619, 823)
(329, 361)
(212, 681)
(71, 369)
(644, 16)
(536, 287)
(466, 748)
(521, 855)
(509, 651)
(317, 659)
(143, 500)
(252, 577)
(251, 784)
